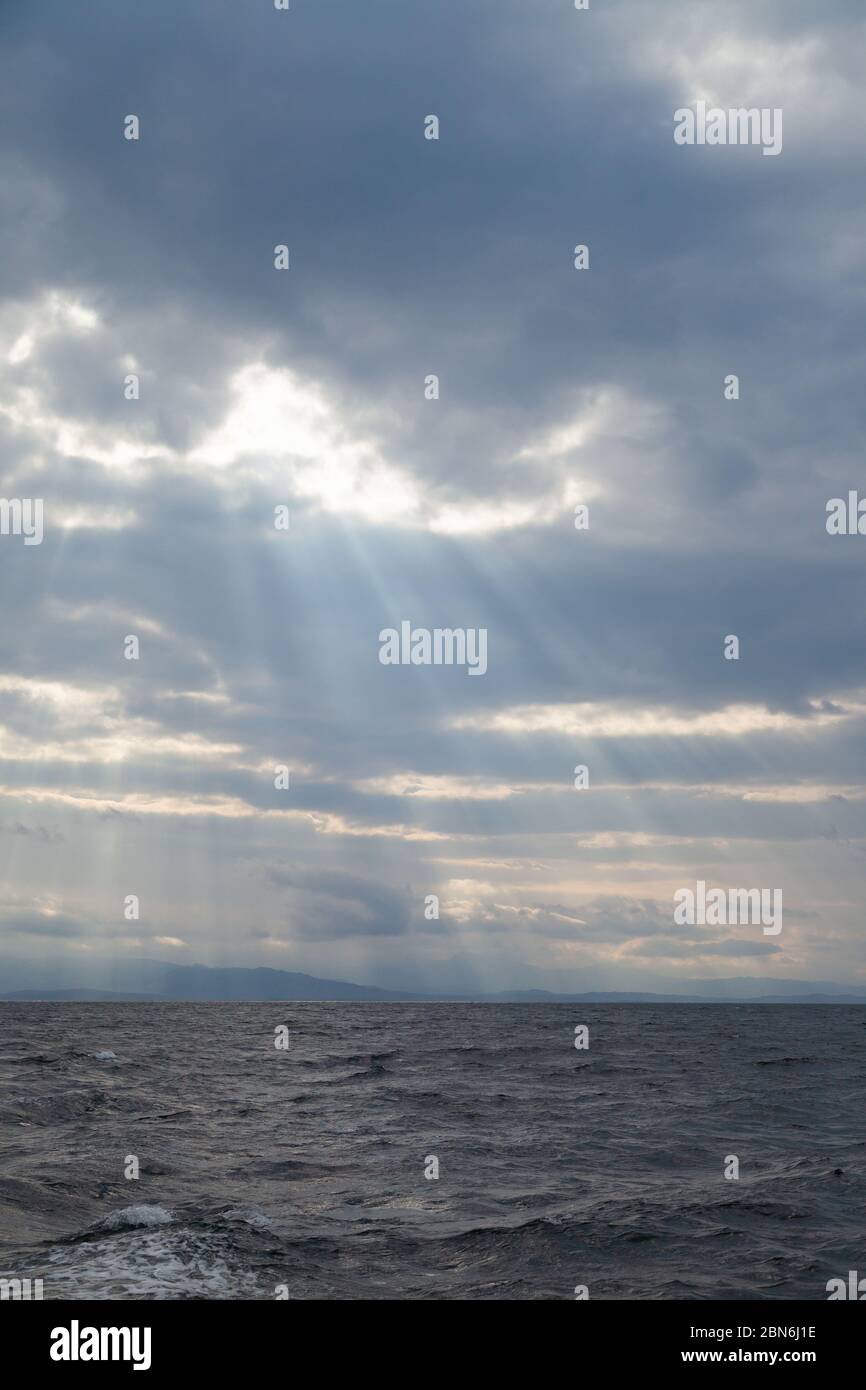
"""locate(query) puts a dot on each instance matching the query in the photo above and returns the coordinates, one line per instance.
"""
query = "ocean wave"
(254, 1175)
(149, 1263)
(128, 1217)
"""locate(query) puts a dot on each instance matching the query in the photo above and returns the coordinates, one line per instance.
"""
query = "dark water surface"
(305, 1168)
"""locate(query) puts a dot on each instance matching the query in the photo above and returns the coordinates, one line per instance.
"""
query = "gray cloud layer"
(259, 388)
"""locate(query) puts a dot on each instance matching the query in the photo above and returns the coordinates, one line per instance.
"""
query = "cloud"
(305, 389)
(26, 922)
(338, 904)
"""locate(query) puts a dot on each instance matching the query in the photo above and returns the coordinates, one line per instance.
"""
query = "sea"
(432, 1151)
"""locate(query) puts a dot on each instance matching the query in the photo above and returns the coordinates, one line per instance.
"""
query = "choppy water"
(558, 1167)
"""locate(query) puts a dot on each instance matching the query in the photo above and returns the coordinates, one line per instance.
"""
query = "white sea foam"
(136, 1216)
(106, 1056)
(155, 1262)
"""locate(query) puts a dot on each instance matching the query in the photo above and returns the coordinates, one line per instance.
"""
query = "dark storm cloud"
(338, 904)
(389, 231)
(25, 922)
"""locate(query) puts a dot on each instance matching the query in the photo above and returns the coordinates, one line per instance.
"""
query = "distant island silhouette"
(140, 980)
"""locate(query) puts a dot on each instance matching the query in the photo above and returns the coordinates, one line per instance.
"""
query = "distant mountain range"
(138, 980)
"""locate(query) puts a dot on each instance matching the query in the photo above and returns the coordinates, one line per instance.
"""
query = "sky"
(307, 389)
